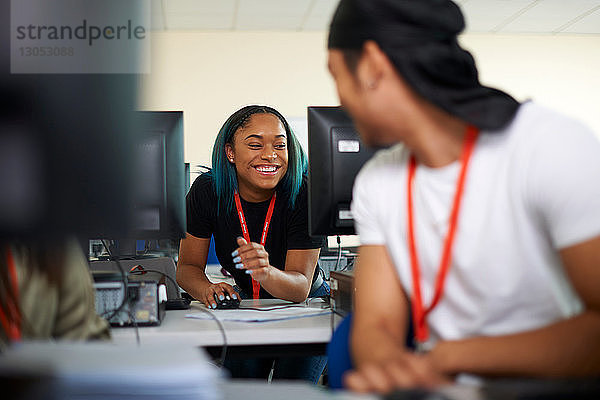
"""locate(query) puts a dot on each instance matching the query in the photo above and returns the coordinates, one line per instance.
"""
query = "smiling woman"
(259, 153)
(254, 203)
(251, 121)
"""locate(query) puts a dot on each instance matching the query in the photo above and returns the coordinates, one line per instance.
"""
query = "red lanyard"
(263, 238)
(419, 313)
(12, 326)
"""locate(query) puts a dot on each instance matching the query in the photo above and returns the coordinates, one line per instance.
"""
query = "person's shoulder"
(301, 197)
(205, 178)
(537, 121)
(304, 184)
(204, 183)
(541, 140)
(385, 165)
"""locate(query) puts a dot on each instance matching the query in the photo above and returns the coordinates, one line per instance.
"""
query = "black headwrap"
(420, 38)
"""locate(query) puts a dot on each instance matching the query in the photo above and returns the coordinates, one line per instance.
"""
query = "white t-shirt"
(530, 190)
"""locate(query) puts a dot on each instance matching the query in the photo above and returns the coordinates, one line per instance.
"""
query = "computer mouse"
(227, 303)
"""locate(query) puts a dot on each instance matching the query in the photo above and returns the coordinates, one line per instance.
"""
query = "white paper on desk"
(247, 315)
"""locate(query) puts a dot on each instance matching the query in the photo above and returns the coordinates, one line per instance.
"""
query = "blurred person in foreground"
(46, 292)
(481, 220)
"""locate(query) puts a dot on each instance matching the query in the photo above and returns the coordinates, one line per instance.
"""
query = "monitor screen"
(158, 187)
(335, 154)
(159, 177)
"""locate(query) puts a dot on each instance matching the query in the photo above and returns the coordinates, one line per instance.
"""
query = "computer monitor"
(335, 154)
(159, 177)
(159, 188)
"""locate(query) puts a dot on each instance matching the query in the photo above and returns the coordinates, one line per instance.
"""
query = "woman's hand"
(220, 289)
(253, 258)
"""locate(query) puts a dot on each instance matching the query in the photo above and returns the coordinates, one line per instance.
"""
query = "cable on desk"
(135, 325)
(272, 308)
(123, 279)
(339, 255)
(125, 291)
(221, 361)
(140, 270)
(349, 264)
(304, 304)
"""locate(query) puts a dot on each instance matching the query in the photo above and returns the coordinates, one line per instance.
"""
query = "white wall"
(209, 75)
(560, 71)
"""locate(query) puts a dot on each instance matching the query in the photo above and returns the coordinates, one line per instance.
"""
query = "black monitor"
(159, 187)
(335, 154)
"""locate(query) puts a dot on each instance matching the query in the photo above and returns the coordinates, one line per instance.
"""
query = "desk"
(508, 389)
(238, 389)
(304, 336)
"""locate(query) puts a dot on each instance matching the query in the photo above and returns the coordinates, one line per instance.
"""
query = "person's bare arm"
(193, 252)
(380, 308)
(293, 283)
(379, 329)
(564, 349)
(569, 348)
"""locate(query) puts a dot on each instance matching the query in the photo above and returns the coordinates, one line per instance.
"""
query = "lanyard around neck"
(11, 322)
(246, 234)
(419, 312)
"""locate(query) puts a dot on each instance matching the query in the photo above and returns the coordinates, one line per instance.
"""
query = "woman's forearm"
(287, 285)
(192, 279)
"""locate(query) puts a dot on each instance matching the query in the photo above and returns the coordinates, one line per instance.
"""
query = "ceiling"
(491, 16)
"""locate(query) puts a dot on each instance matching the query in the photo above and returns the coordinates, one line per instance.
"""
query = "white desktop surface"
(238, 389)
(175, 327)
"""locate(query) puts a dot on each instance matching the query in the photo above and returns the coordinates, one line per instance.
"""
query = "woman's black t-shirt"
(288, 229)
